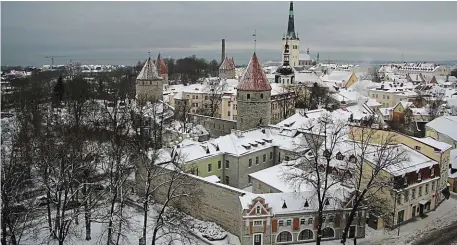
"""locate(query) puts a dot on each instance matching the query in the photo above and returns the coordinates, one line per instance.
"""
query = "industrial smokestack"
(223, 51)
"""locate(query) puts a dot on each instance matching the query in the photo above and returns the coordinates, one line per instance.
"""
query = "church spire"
(290, 25)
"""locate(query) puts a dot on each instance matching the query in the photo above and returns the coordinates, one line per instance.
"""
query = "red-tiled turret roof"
(163, 66)
(254, 79)
(227, 64)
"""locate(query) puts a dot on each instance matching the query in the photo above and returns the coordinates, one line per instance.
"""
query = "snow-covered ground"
(39, 234)
(443, 216)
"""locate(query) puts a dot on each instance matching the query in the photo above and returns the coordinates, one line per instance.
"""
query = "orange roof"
(163, 66)
(254, 79)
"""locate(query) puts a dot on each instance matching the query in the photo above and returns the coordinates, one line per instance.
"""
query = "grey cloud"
(119, 32)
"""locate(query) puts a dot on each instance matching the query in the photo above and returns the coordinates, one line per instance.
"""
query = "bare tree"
(15, 179)
(214, 90)
(171, 193)
(367, 179)
(117, 121)
(183, 114)
(329, 134)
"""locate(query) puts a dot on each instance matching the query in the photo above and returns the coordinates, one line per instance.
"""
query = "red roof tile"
(227, 64)
(254, 79)
(163, 66)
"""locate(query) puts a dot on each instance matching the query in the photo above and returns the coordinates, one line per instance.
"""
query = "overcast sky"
(123, 32)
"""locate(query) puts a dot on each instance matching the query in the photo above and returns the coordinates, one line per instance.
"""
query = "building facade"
(253, 97)
(149, 84)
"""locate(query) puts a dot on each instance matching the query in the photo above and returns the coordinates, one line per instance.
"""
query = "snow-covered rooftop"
(434, 143)
(445, 125)
(414, 161)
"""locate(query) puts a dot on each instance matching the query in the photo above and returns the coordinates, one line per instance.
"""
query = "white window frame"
(261, 223)
(261, 238)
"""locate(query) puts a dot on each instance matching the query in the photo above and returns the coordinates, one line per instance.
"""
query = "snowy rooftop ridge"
(149, 71)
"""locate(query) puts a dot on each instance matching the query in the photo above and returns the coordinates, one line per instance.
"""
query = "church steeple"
(290, 25)
(286, 55)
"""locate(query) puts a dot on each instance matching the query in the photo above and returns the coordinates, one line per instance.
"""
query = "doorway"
(413, 211)
(352, 231)
(257, 239)
(421, 209)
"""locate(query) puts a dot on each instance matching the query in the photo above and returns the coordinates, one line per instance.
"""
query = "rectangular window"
(289, 222)
(420, 191)
(258, 222)
(418, 148)
(227, 163)
(406, 196)
(256, 160)
(206, 97)
(196, 96)
(426, 188)
(264, 157)
(413, 193)
(302, 221)
(219, 164)
(281, 223)
(250, 163)
(310, 221)
(324, 218)
(330, 218)
(210, 167)
(433, 186)
(271, 155)
(228, 113)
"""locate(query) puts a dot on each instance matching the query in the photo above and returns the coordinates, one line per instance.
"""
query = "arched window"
(284, 236)
(328, 232)
(257, 210)
(306, 235)
(261, 96)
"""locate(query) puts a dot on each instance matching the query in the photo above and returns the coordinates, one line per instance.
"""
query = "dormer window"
(339, 156)
(327, 153)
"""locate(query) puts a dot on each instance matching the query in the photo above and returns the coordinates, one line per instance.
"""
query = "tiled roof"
(254, 79)
(149, 71)
(163, 66)
(227, 64)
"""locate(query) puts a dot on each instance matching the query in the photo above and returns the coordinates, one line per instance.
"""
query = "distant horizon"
(92, 32)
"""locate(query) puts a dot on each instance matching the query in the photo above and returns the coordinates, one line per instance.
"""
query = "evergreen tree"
(59, 90)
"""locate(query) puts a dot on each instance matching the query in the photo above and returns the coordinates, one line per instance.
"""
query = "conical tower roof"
(227, 65)
(254, 79)
(149, 71)
(160, 62)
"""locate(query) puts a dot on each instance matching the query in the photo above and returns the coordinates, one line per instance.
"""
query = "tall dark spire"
(290, 25)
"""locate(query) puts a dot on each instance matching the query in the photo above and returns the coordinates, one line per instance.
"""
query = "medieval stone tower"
(149, 84)
(253, 97)
(292, 39)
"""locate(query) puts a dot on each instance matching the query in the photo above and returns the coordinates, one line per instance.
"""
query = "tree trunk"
(110, 223)
(87, 214)
(4, 212)
(120, 222)
(48, 204)
(145, 221)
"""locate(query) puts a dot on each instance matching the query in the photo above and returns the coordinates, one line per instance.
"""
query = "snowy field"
(443, 216)
(133, 230)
